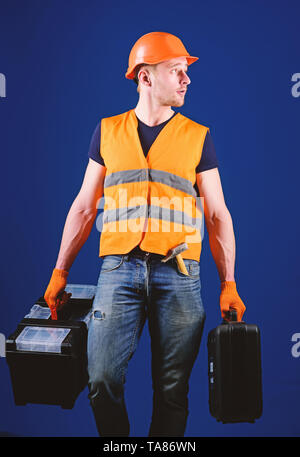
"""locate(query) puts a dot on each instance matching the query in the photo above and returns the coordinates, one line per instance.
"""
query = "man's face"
(170, 81)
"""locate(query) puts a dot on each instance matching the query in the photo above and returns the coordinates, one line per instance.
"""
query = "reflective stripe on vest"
(154, 212)
(144, 174)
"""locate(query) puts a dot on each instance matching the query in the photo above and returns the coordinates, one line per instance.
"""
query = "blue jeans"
(129, 290)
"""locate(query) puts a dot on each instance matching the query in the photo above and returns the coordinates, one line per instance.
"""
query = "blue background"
(64, 64)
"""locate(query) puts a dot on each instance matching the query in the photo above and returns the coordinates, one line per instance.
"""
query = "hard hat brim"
(130, 72)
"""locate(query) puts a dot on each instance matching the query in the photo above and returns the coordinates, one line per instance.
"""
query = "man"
(148, 161)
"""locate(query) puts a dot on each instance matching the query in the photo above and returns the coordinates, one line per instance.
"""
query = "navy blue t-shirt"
(147, 136)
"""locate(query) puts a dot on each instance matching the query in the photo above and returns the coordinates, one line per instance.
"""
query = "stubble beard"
(173, 101)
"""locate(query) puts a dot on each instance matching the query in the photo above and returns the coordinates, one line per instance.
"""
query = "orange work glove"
(55, 295)
(230, 299)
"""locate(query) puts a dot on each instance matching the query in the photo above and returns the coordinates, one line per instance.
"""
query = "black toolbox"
(47, 359)
(234, 371)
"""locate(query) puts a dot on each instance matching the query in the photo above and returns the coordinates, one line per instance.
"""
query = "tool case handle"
(231, 316)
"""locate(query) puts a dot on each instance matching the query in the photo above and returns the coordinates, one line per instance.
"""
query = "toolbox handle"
(231, 316)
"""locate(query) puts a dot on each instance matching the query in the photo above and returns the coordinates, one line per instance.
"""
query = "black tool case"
(234, 371)
(47, 359)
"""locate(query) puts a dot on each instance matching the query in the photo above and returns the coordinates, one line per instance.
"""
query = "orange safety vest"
(151, 201)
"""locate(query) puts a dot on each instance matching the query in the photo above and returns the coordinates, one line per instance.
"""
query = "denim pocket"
(193, 268)
(112, 262)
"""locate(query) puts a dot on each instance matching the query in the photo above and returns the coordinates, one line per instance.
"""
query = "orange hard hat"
(155, 47)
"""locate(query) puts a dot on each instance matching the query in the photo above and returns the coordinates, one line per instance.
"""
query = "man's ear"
(145, 76)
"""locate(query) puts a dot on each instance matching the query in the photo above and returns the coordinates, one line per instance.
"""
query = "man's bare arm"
(81, 216)
(218, 223)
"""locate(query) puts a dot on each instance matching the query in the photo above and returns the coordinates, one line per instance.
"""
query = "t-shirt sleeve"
(94, 150)
(209, 158)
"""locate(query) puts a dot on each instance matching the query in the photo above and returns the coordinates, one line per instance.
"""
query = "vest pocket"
(112, 262)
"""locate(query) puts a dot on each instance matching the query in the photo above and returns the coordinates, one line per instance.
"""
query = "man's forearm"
(222, 245)
(77, 228)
